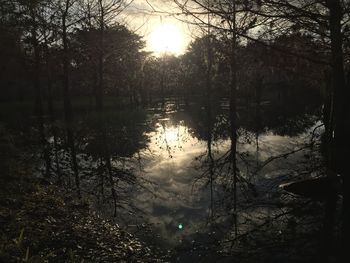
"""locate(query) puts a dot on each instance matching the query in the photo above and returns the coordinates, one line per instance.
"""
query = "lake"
(185, 178)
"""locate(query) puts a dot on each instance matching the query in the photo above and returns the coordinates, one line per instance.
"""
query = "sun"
(171, 135)
(167, 38)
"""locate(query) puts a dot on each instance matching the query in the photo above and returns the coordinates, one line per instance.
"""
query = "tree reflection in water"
(191, 169)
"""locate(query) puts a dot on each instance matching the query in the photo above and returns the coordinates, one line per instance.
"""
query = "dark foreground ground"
(42, 223)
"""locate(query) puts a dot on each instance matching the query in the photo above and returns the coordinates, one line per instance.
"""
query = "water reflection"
(170, 139)
(170, 166)
(187, 160)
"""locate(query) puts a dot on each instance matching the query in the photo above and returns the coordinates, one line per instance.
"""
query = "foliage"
(41, 223)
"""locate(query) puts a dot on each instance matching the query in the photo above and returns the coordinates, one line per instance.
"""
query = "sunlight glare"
(167, 38)
(171, 135)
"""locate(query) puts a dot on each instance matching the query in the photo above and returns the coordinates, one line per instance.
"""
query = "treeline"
(55, 53)
(47, 45)
(53, 39)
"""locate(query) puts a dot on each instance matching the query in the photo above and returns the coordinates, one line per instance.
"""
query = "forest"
(174, 131)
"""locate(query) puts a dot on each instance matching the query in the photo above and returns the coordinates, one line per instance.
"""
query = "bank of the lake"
(41, 222)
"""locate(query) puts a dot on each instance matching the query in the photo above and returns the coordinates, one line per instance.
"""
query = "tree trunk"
(99, 108)
(38, 95)
(51, 111)
(208, 107)
(233, 114)
(339, 145)
(68, 112)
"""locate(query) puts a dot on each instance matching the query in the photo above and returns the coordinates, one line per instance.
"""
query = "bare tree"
(31, 11)
(66, 18)
(101, 14)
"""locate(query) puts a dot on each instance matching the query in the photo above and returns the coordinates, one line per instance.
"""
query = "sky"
(162, 31)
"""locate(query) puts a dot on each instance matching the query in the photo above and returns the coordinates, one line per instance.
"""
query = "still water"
(186, 194)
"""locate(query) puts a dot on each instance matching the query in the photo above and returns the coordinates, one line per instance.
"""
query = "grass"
(41, 222)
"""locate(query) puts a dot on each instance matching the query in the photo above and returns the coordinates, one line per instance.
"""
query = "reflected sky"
(174, 160)
(171, 168)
